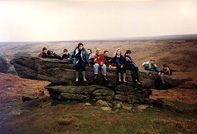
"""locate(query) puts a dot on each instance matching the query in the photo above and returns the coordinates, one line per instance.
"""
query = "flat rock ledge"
(61, 74)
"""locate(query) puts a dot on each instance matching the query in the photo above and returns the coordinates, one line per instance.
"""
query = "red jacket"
(99, 59)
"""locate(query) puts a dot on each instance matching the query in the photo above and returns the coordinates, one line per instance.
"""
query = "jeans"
(103, 69)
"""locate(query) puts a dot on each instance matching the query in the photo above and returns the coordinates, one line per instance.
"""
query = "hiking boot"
(124, 78)
(125, 81)
(84, 76)
(137, 83)
(77, 77)
(85, 80)
(95, 76)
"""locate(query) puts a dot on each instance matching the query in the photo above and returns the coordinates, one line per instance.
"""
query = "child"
(66, 55)
(130, 65)
(107, 58)
(166, 70)
(99, 60)
(151, 66)
(49, 54)
(120, 64)
(80, 60)
(91, 57)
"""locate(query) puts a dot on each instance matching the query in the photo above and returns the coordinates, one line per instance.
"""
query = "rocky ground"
(12, 88)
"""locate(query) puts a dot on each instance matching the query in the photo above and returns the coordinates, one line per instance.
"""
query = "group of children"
(80, 58)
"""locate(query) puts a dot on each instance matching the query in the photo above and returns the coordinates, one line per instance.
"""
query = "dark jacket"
(50, 54)
(122, 61)
(129, 62)
(107, 60)
(64, 56)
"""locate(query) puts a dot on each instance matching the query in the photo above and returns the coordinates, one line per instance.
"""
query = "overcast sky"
(39, 20)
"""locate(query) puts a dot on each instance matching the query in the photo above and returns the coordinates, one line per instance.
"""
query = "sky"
(62, 20)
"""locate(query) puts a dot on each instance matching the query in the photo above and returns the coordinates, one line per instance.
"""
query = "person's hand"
(109, 66)
(101, 63)
(159, 73)
(127, 59)
(122, 66)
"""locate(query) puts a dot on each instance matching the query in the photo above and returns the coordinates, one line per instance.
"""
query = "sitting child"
(99, 60)
(107, 58)
(120, 64)
(166, 70)
(66, 55)
(91, 57)
(130, 65)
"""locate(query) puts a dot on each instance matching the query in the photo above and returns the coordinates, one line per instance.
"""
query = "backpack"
(170, 70)
(145, 64)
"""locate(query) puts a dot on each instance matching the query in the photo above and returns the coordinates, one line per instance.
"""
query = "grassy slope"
(45, 116)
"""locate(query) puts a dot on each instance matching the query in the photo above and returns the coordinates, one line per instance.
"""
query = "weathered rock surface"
(61, 74)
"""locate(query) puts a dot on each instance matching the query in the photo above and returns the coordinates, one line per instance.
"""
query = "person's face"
(152, 61)
(45, 51)
(106, 54)
(99, 52)
(80, 47)
(118, 52)
(66, 53)
(128, 54)
(88, 51)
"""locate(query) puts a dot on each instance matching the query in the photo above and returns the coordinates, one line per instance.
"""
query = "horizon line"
(113, 38)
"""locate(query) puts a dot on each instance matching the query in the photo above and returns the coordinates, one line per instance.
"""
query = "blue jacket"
(152, 67)
(84, 54)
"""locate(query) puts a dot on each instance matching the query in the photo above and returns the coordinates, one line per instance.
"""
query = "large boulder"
(63, 73)
(122, 93)
(4, 66)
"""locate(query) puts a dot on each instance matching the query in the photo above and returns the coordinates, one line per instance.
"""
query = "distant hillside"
(164, 37)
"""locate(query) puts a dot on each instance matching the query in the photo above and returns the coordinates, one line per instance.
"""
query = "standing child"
(120, 64)
(99, 60)
(130, 65)
(80, 60)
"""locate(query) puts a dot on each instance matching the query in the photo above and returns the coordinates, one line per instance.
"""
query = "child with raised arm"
(80, 60)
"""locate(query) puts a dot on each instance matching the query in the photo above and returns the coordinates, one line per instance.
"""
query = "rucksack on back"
(145, 64)
(170, 70)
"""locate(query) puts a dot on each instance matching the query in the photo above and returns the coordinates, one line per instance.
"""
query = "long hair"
(79, 45)
(97, 50)
(116, 52)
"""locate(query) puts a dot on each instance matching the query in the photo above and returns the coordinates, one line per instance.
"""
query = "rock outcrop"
(61, 74)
